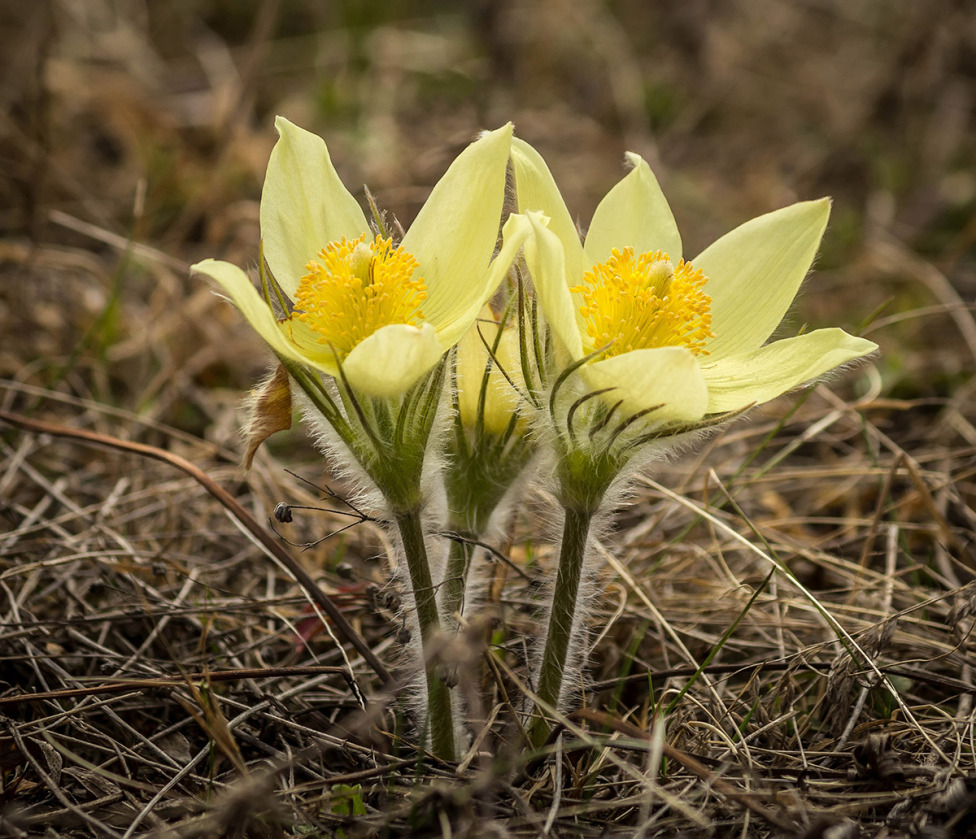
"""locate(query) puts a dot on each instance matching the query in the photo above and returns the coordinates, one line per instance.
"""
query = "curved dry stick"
(231, 504)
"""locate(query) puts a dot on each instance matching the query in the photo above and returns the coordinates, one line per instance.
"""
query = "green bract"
(753, 274)
(305, 207)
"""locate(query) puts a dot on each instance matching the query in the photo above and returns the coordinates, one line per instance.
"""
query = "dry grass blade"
(843, 634)
(753, 801)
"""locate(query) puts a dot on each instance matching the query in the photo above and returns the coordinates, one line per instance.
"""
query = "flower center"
(356, 287)
(632, 303)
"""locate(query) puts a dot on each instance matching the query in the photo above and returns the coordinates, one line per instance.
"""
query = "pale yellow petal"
(545, 259)
(454, 235)
(738, 381)
(304, 205)
(390, 360)
(536, 190)
(667, 378)
(308, 342)
(453, 324)
(246, 298)
(755, 271)
(633, 214)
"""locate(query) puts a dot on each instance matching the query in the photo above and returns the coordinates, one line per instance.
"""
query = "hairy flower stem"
(439, 713)
(460, 554)
(389, 440)
(576, 530)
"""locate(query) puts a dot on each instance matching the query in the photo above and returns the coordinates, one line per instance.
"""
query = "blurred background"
(134, 138)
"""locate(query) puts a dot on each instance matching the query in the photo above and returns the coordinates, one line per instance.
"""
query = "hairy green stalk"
(440, 714)
(389, 439)
(587, 464)
(572, 552)
(459, 556)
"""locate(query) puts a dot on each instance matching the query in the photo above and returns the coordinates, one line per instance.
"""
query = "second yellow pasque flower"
(687, 339)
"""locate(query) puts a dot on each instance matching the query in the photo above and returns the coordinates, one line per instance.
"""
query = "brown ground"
(134, 138)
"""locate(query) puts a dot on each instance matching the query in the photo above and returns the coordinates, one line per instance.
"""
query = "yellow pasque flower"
(688, 337)
(385, 313)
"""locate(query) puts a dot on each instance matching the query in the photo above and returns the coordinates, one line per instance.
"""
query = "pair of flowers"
(387, 331)
(619, 345)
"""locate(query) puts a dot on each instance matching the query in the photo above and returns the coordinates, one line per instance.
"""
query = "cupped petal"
(308, 342)
(536, 189)
(545, 258)
(634, 214)
(454, 323)
(735, 382)
(454, 234)
(304, 205)
(245, 297)
(390, 360)
(666, 378)
(755, 271)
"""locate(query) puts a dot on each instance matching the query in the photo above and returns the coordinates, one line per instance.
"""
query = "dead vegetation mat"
(161, 675)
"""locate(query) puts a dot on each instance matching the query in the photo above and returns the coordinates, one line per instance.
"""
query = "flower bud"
(488, 363)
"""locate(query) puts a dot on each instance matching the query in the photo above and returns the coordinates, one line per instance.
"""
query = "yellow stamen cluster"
(636, 303)
(355, 288)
